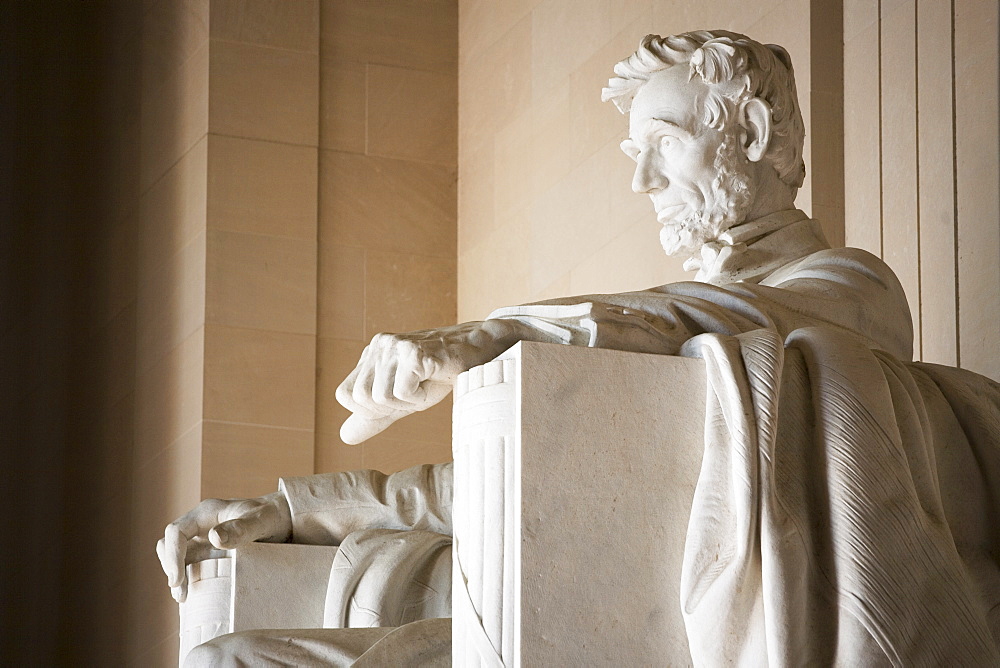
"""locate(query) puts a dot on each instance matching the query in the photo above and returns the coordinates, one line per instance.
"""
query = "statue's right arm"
(399, 374)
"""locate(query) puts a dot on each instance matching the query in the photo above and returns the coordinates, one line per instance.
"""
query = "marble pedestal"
(574, 474)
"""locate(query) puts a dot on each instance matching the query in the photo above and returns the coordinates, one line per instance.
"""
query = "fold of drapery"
(385, 577)
(817, 532)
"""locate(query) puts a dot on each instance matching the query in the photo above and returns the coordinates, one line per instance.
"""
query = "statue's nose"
(647, 177)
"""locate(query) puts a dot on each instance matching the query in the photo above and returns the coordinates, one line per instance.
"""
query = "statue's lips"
(667, 215)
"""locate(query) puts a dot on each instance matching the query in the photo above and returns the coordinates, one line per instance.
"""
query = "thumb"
(436, 392)
(255, 525)
(357, 429)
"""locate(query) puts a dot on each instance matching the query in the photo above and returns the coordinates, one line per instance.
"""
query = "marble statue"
(844, 513)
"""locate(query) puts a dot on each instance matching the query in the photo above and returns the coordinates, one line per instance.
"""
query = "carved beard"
(700, 222)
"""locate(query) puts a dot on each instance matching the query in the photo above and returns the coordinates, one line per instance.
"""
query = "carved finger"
(161, 554)
(406, 387)
(172, 551)
(397, 367)
(357, 429)
(257, 524)
(382, 381)
(362, 394)
(345, 391)
(199, 549)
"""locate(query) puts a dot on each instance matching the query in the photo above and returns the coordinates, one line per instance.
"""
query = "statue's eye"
(666, 141)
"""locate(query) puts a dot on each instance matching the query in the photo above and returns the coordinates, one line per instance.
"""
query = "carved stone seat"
(257, 586)
(574, 475)
(559, 452)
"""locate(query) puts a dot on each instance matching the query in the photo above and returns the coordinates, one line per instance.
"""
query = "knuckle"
(358, 392)
(344, 392)
(388, 340)
(211, 505)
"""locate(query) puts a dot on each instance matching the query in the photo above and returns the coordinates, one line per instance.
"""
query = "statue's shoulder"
(854, 261)
(847, 253)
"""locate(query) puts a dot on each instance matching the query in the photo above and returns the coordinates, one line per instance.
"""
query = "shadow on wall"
(68, 329)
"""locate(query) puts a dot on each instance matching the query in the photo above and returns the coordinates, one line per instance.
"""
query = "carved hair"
(736, 69)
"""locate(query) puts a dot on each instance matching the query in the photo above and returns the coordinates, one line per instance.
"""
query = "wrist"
(499, 335)
(274, 498)
(279, 502)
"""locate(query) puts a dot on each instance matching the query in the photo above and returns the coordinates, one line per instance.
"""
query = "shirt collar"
(750, 251)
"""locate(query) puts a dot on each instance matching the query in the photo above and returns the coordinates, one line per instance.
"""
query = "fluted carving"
(485, 471)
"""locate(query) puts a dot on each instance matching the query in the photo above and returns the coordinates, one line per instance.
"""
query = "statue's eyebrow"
(652, 125)
(687, 134)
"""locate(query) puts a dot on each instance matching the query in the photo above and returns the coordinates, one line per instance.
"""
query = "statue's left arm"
(326, 508)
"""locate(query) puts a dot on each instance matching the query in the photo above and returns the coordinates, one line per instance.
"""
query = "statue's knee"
(215, 652)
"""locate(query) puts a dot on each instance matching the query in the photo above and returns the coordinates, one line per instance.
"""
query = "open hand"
(220, 524)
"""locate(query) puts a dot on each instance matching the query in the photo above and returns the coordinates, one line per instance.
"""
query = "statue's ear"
(755, 117)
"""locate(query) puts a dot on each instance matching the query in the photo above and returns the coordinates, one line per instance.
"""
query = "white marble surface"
(256, 586)
(574, 474)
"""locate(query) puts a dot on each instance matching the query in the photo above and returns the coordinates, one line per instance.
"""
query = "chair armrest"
(257, 586)
(575, 470)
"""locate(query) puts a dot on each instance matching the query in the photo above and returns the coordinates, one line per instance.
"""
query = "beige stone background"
(216, 203)
(545, 205)
(921, 142)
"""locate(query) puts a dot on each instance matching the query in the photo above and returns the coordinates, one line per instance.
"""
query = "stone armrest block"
(257, 586)
(574, 474)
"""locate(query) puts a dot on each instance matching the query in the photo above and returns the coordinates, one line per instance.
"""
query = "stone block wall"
(545, 205)
(218, 202)
(387, 206)
(921, 147)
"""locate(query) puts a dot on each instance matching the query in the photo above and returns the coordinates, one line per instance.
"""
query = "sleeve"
(658, 320)
(326, 508)
(846, 289)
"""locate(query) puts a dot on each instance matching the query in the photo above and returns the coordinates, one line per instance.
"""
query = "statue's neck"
(770, 194)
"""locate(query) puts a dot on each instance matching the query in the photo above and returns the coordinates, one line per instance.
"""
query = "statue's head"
(714, 128)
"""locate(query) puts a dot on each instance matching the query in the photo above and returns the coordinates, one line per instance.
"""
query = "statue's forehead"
(670, 96)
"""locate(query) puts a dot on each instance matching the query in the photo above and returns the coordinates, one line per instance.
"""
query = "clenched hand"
(400, 374)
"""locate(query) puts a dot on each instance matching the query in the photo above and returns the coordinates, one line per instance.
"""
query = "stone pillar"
(921, 88)
(261, 246)
(226, 279)
(387, 206)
